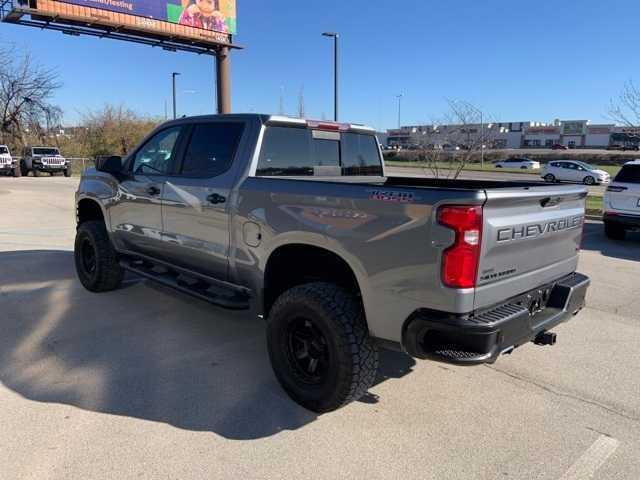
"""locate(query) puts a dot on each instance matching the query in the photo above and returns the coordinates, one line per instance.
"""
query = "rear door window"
(629, 174)
(290, 151)
(212, 148)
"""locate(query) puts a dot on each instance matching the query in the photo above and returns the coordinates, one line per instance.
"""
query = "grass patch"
(594, 205)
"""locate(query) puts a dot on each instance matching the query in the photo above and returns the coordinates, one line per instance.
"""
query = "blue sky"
(533, 60)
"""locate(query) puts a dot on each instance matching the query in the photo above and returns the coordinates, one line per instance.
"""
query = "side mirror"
(112, 164)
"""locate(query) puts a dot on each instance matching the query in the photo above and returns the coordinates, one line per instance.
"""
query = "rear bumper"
(481, 337)
(628, 221)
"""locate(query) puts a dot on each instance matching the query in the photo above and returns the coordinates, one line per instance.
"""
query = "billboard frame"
(12, 12)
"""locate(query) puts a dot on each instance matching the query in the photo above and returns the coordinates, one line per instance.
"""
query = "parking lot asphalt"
(597, 190)
(147, 383)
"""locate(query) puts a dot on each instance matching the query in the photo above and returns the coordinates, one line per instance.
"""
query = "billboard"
(209, 21)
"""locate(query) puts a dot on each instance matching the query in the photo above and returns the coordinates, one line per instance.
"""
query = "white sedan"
(519, 163)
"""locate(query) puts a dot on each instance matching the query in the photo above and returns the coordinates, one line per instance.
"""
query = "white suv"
(8, 165)
(622, 202)
(574, 171)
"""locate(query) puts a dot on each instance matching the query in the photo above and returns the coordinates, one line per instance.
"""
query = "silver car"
(574, 171)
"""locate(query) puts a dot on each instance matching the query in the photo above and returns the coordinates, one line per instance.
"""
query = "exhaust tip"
(545, 338)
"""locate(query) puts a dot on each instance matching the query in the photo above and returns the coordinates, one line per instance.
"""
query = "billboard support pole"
(223, 80)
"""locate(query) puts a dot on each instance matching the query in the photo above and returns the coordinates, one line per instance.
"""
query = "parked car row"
(38, 160)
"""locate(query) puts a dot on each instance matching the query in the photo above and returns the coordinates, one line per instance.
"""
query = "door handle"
(215, 199)
(153, 190)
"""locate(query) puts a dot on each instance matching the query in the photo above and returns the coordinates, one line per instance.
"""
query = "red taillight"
(460, 261)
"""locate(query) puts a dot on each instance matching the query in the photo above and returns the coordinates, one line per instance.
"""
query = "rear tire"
(550, 178)
(67, 172)
(320, 348)
(614, 231)
(96, 260)
(589, 180)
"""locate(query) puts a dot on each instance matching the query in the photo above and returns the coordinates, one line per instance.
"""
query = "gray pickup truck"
(296, 221)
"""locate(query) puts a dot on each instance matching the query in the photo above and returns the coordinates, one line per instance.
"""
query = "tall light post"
(481, 140)
(335, 37)
(173, 79)
(399, 97)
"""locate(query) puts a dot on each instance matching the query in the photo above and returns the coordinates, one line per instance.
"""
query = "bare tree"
(114, 130)
(625, 110)
(450, 144)
(26, 90)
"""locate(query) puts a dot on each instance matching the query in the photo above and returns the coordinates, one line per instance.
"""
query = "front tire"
(589, 180)
(550, 178)
(320, 348)
(614, 231)
(96, 260)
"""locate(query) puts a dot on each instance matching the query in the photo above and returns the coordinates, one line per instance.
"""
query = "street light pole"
(173, 78)
(335, 37)
(481, 140)
(399, 97)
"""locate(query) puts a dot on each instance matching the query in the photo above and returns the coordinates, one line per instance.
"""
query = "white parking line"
(589, 463)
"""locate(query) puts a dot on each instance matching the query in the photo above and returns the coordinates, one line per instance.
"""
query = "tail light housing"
(460, 261)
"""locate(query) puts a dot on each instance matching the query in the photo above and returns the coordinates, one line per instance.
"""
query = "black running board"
(187, 282)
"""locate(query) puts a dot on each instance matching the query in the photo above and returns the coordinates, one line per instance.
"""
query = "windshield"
(4, 150)
(629, 174)
(46, 151)
(586, 165)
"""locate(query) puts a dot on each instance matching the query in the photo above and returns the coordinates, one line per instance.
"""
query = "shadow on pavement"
(595, 240)
(142, 351)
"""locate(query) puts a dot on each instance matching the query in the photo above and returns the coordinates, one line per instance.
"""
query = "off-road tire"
(17, 172)
(614, 231)
(107, 274)
(550, 178)
(352, 354)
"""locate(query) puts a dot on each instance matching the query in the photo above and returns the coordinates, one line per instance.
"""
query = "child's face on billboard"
(207, 7)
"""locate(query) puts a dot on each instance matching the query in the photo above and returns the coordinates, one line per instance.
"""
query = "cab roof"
(280, 120)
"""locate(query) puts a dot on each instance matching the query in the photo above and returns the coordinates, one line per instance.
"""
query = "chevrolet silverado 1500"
(297, 221)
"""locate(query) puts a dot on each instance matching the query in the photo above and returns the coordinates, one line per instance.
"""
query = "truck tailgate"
(531, 237)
